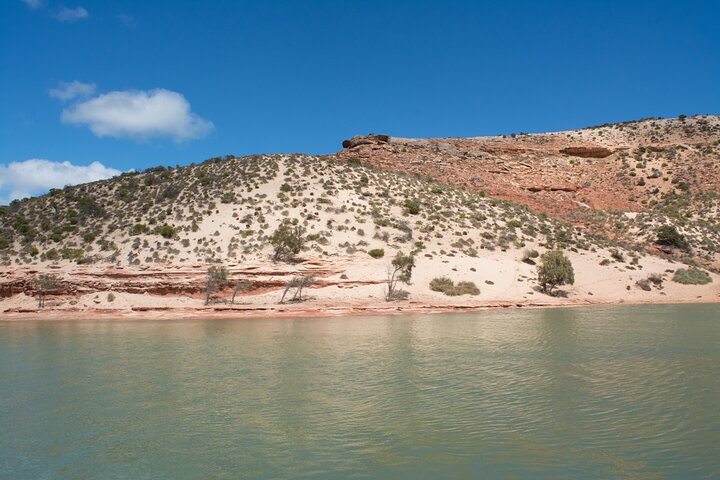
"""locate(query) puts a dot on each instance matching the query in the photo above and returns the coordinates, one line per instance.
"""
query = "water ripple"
(572, 393)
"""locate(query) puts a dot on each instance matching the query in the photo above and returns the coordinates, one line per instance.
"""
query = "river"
(600, 392)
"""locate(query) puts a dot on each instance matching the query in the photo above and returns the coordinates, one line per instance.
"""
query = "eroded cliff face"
(621, 167)
(168, 280)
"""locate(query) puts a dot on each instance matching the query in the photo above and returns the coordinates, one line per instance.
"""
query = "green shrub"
(668, 235)
(89, 236)
(691, 276)
(448, 287)
(412, 207)
(441, 284)
(513, 223)
(167, 231)
(139, 228)
(227, 197)
(72, 253)
(377, 253)
(285, 188)
(466, 288)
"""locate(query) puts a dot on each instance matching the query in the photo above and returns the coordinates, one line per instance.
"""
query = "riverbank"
(342, 286)
(310, 309)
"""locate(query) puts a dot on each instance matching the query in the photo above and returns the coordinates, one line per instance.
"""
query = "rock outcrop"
(587, 152)
(371, 139)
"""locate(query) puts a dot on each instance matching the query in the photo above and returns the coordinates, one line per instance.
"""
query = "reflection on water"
(566, 393)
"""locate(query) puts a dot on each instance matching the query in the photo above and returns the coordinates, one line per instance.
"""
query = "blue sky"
(133, 84)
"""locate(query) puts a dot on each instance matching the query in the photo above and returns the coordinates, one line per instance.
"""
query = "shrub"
(466, 288)
(166, 231)
(72, 253)
(448, 287)
(513, 223)
(110, 297)
(412, 207)
(555, 269)
(691, 276)
(617, 255)
(441, 284)
(227, 197)
(139, 228)
(377, 253)
(668, 235)
(285, 188)
(288, 241)
(88, 236)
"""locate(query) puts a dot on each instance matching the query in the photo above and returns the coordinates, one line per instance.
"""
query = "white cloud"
(37, 176)
(71, 14)
(138, 115)
(70, 90)
(34, 4)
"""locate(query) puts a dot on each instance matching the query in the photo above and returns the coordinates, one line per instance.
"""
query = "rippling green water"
(631, 392)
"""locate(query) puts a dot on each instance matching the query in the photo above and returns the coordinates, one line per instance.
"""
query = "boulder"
(371, 139)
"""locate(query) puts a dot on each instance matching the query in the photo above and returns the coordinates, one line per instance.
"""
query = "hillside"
(621, 180)
(143, 241)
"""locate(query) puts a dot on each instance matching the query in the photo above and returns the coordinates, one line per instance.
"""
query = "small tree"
(555, 269)
(44, 283)
(298, 283)
(288, 241)
(399, 271)
(242, 286)
(217, 279)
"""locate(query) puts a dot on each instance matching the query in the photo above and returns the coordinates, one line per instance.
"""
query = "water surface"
(622, 392)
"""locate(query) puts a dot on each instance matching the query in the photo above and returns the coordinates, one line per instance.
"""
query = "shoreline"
(303, 310)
